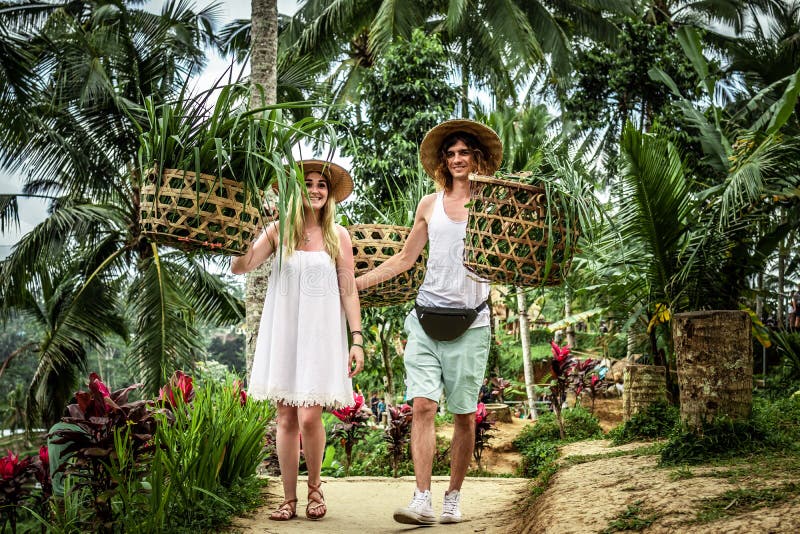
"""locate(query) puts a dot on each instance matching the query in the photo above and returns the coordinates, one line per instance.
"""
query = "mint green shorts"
(454, 367)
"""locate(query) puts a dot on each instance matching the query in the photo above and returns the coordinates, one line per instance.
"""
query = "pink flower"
(178, 382)
(346, 414)
(96, 385)
(480, 413)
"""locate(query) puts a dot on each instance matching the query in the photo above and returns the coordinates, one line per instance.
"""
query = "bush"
(536, 455)
(656, 421)
(538, 443)
(579, 424)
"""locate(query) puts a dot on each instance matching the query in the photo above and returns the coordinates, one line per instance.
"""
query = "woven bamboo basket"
(210, 214)
(373, 244)
(508, 234)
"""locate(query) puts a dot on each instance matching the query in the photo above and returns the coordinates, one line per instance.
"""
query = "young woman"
(302, 362)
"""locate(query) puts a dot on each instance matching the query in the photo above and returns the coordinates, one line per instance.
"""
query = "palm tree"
(90, 67)
(73, 314)
(263, 67)
(492, 44)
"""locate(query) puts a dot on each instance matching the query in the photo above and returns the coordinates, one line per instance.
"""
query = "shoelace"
(420, 500)
(450, 505)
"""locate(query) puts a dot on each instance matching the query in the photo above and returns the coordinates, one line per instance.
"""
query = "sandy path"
(364, 505)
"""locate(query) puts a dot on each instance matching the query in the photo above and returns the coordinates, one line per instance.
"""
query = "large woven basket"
(509, 230)
(209, 213)
(373, 244)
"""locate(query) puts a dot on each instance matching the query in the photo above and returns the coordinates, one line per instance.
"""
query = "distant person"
(373, 404)
(486, 392)
(380, 407)
(302, 362)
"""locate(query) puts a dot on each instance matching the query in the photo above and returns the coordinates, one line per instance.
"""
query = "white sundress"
(301, 353)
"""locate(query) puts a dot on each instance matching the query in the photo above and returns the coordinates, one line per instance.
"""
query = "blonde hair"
(327, 216)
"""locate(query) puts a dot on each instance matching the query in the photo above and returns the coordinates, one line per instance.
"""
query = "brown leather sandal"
(285, 512)
(316, 501)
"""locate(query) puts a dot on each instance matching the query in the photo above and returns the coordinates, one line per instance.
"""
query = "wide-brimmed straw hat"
(431, 144)
(340, 180)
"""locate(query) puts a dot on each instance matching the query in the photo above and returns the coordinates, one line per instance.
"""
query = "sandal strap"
(287, 509)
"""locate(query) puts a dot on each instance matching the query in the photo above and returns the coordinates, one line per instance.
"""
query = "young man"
(449, 153)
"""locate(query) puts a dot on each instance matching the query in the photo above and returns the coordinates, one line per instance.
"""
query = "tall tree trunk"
(263, 72)
(571, 340)
(465, 74)
(714, 355)
(631, 345)
(524, 334)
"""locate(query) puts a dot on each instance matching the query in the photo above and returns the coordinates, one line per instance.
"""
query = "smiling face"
(459, 159)
(317, 187)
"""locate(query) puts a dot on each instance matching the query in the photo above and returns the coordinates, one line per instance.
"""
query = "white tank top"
(447, 283)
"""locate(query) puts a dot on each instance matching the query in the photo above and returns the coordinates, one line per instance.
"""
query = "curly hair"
(480, 163)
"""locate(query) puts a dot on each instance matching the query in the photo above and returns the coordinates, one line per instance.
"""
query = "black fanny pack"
(446, 324)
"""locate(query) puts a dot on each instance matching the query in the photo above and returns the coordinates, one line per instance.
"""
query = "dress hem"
(326, 401)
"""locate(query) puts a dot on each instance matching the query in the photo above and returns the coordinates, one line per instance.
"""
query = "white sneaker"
(451, 513)
(419, 512)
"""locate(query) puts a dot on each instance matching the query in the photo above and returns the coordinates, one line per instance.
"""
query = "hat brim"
(432, 142)
(340, 180)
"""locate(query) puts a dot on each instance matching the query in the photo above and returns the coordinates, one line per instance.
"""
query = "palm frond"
(165, 337)
(211, 299)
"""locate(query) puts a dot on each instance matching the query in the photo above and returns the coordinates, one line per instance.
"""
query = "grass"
(743, 500)
(635, 518)
(647, 450)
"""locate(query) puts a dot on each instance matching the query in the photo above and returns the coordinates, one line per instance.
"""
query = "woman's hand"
(356, 361)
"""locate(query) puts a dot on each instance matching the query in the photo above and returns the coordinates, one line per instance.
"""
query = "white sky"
(33, 211)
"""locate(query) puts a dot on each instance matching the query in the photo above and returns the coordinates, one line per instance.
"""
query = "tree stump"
(498, 412)
(643, 385)
(714, 356)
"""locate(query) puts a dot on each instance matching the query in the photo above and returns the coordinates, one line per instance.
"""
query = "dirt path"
(665, 500)
(364, 505)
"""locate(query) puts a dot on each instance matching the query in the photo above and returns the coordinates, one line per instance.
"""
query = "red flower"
(44, 455)
(8, 465)
(178, 382)
(237, 386)
(560, 353)
(11, 466)
(595, 380)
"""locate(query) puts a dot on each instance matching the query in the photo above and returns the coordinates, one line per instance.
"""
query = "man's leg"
(461, 449)
(423, 446)
(423, 441)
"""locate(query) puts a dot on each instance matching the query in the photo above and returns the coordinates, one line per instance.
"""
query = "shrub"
(772, 426)
(352, 428)
(398, 434)
(537, 455)
(656, 421)
(578, 424)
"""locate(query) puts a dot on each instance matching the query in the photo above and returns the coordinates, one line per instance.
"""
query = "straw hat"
(340, 180)
(432, 143)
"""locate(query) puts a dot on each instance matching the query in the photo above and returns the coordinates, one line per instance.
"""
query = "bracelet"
(356, 345)
(354, 332)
